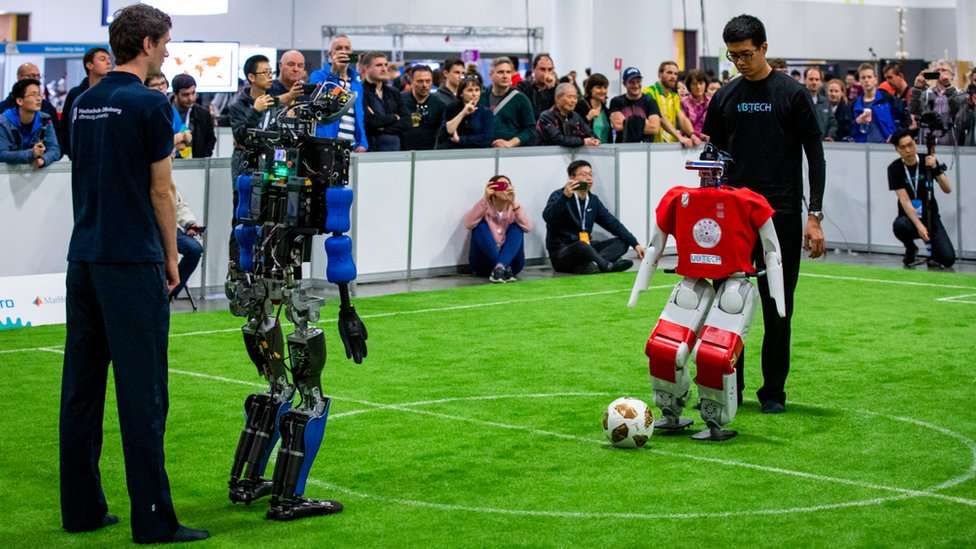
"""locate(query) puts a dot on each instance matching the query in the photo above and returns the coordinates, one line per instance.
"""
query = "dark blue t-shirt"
(119, 128)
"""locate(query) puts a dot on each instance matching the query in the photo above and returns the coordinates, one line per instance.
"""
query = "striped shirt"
(347, 124)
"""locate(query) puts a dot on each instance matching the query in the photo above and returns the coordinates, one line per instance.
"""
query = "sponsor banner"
(32, 300)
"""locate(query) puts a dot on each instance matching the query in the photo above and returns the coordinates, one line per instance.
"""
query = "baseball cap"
(631, 72)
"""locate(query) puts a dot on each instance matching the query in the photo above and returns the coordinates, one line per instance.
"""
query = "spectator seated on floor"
(498, 224)
(570, 215)
(27, 135)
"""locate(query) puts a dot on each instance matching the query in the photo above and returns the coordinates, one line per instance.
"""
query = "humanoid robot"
(715, 228)
(294, 187)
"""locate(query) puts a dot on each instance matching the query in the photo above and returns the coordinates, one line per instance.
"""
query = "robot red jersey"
(715, 228)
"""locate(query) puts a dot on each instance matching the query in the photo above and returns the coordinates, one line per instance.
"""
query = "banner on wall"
(33, 300)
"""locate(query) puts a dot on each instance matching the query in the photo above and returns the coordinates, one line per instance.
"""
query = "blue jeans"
(191, 250)
(485, 253)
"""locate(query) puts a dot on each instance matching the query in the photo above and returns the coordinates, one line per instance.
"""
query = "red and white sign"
(618, 63)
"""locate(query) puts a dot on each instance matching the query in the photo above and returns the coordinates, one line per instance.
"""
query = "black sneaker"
(772, 407)
(509, 275)
(621, 265)
(589, 268)
(909, 258)
(497, 275)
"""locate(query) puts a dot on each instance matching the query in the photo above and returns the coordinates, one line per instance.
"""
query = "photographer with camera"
(918, 211)
(290, 85)
(341, 72)
(933, 92)
(570, 215)
(498, 224)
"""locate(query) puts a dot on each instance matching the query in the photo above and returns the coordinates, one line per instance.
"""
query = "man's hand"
(685, 142)
(188, 137)
(930, 161)
(262, 103)
(640, 251)
(569, 188)
(920, 81)
(39, 162)
(923, 233)
(455, 137)
(38, 149)
(696, 141)
(591, 142)
(501, 144)
(353, 334)
(172, 274)
(359, 149)
(292, 94)
(813, 238)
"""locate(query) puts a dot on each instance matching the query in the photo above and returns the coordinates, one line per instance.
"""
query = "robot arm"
(655, 248)
(342, 270)
(774, 265)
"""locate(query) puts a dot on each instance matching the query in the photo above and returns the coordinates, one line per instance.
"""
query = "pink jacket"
(498, 221)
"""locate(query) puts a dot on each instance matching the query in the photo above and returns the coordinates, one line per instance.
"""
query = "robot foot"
(247, 490)
(670, 425)
(298, 507)
(714, 433)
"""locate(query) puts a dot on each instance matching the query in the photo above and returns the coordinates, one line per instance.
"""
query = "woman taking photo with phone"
(498, 224)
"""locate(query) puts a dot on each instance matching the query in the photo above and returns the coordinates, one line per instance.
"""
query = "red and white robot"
(715, 227)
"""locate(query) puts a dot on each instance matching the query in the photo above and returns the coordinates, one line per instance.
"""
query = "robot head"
(712, 165)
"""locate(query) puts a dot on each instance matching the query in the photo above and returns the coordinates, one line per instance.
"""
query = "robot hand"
(353, 333)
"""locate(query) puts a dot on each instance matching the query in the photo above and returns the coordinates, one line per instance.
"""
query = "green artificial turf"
(880, 424)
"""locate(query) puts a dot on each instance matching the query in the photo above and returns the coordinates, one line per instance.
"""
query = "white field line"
(959, 299)
(904, 492)
(884, 281)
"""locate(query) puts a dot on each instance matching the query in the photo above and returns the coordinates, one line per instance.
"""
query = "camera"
(500, 186)
(930, 75)
(581, 186)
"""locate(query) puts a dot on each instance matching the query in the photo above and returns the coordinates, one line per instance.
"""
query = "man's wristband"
(815, 213)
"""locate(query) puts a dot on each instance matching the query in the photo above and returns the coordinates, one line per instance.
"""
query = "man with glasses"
(27, 135)
(30, 71)
(766, 121)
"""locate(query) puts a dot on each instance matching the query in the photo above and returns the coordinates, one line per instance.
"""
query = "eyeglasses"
(744, 56)
(268, 72)
(33, 94)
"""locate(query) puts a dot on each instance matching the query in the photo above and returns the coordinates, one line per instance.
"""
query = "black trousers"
(776, 339)
(118, 313)
(572, 258)
(942, 251)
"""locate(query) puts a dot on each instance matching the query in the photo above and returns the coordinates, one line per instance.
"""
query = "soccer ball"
(628, 423)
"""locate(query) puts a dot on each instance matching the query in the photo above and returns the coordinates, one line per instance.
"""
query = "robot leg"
(302, 431)
(263, 411)
(669, 347)
(716, 353)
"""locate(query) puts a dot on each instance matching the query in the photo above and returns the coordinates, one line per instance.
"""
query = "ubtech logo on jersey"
(755, 107)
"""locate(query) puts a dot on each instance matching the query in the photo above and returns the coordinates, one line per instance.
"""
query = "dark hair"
(450, 63)
(20, 87)
(865, 66)
(182, 82)
(778, 63)
(90, 56)
(419, 67)
(575, 165)
(695, 75)
(813, 68)
(900, 134)
(895, 67)
(131, 25)
(251, 65)
(469, 80)
(744, 27)
(595, 79)
(660, 68)
(539, 57)
(370, 56)
(498, 177)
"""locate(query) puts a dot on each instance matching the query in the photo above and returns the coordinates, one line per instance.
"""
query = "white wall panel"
(535, 178)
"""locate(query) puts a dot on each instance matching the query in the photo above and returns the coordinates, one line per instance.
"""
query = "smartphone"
(307, 89)
(581, 186)
(353, 58)
(500, 186)
(930, 75)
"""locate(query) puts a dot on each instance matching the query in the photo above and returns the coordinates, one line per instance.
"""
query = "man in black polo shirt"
(122, 263)
(765, 120)
(425, 114)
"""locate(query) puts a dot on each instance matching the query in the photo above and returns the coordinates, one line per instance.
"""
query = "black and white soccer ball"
(628, 423)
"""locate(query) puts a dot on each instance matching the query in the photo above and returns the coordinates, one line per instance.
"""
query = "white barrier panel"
(32, 300)
(219, 213)
(191, 183)
(633, 184)
(36, 218)
(225, 142)
(535, 177)
(965, 189)
(845, 202)
(381, 213)
(445, 186)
